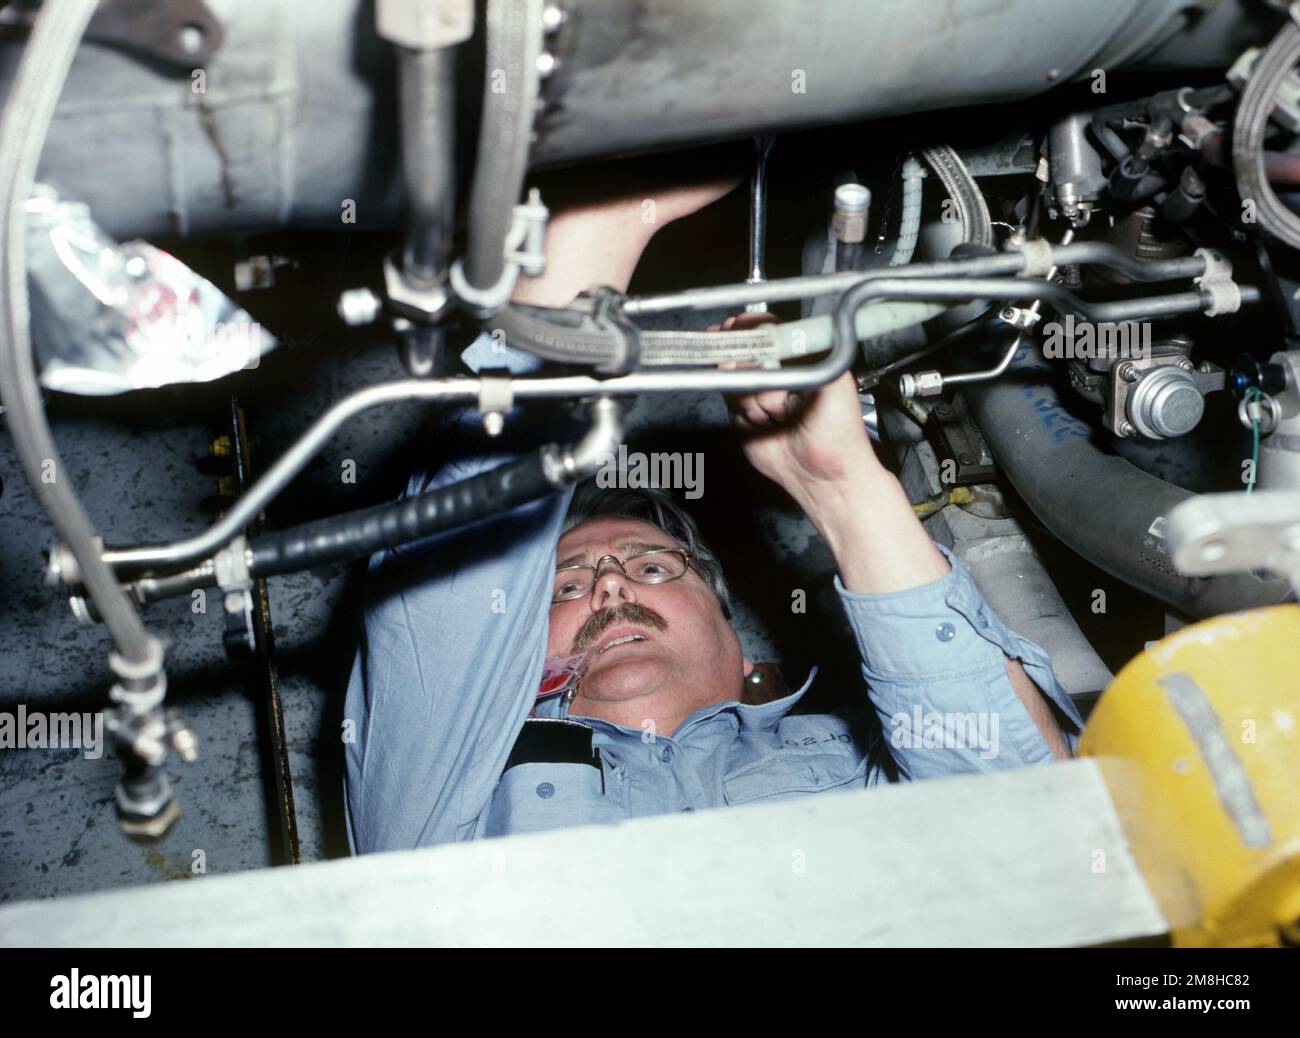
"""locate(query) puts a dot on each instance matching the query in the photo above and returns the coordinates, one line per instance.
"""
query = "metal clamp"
(1038, 258)
(1021, 317)
(607, 315)
(496, 396)
(1225, 294)
(525, 250)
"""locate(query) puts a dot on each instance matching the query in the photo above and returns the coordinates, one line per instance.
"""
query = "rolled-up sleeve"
(934, 658)
(452, 645)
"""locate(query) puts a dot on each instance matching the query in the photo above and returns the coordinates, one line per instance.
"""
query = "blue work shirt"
(451, 654)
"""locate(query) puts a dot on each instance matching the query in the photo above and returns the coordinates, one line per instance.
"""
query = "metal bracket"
(496, 396)
(1225, 294)
(955, 437)
(182, 33)
(607, 315)
(1237, 532)
(525, 250)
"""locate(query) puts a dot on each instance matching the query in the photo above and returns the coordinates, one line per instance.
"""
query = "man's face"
(688, 644)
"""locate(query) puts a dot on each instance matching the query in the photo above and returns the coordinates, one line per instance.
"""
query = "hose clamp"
(496, 396)
(524, 250)
(1224, 293)
(608, 316)
(1037, 253)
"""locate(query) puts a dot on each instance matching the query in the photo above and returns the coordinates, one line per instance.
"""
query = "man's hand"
(816, 447)
(806, 442)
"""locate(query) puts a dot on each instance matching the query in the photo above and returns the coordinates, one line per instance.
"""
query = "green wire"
(1254, 435)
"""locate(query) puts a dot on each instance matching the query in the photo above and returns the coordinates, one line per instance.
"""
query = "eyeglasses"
(644, 567)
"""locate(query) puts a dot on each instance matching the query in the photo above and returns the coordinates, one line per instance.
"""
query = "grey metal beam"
(1033, 857)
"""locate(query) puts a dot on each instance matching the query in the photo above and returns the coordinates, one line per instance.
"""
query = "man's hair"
(658, 509)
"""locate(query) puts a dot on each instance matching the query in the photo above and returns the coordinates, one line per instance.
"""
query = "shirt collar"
(753, 717)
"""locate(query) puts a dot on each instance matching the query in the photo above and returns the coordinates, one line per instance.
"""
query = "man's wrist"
(872, 532)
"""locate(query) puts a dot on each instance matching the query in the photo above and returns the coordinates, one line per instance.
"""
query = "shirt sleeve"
(452, 645)
(934, 658)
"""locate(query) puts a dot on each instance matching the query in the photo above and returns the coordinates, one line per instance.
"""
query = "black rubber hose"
(1095, 502)
(359, 533)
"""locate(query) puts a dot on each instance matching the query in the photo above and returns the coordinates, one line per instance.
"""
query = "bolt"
(547, 63)
(358, 306)
(190, 39)
(221, 447)
(1184, 363)
(1008, 314)
(1127, 372)
(553, 18)
(185, 743)
(1125, 428)
(493, 423)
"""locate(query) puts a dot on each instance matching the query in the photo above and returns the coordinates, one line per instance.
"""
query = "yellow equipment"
(1198, 739)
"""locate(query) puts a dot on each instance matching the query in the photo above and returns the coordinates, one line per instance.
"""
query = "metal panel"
(1028, 857)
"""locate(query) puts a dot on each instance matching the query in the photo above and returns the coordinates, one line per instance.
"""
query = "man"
(446, 737)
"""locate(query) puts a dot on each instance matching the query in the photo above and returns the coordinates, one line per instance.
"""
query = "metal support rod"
(427, 80)
(758, 219)
(812, 286)
(285, 850)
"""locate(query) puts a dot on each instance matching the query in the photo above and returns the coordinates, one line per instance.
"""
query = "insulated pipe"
(1059, 470)
(514, 46)
(355, 534)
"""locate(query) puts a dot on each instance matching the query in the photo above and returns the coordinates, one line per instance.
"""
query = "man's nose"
(612, 588)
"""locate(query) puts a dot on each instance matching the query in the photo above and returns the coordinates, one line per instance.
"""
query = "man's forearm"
(880, 546)
(867, 522)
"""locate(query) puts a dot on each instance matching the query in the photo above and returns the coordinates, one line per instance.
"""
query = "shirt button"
(545, 790)
(666, 754)
(945, 632)
(688, 808)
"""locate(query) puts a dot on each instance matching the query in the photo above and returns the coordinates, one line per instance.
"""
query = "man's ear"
(749, 665)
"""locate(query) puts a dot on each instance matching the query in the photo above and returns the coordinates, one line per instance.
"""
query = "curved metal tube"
(842, 353)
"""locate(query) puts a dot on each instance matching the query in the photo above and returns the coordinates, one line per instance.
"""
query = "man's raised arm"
(931, 648)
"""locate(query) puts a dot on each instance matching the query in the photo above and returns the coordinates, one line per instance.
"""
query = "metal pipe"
(427, 80)
(1002, 365)
(27, 114)
(811, 286)
(843, 350)
(758, 218)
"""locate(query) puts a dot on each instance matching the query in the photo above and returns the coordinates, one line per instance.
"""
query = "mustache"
(629, 612)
